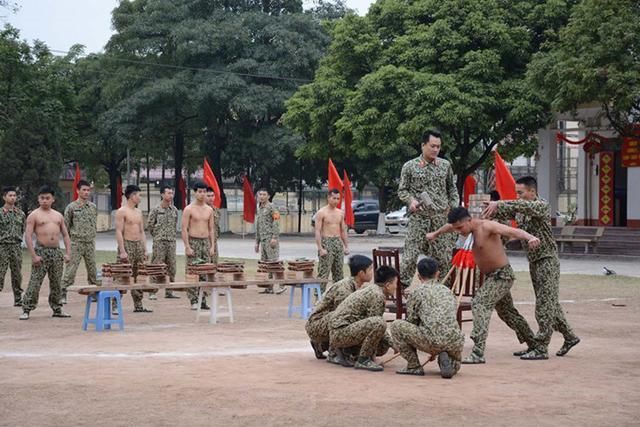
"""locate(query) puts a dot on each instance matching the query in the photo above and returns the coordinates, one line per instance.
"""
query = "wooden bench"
(568, 235)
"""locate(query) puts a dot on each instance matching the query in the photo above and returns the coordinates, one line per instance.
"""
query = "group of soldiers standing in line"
(78, 227)
(348, 322)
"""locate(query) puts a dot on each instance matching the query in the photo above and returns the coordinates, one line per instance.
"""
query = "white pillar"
(633, 197)
(547, 167)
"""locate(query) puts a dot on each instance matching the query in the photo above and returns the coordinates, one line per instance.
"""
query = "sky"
(63, 23)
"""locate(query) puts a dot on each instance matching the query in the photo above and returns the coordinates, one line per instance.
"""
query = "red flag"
(469, 189)
(119, 192)
(182, 188)
(348, 198)
(335, 181)
(249, 203)
(211, 181)
(76, 180)
(505, 184)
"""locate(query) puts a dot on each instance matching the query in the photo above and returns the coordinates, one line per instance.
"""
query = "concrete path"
(292, 247)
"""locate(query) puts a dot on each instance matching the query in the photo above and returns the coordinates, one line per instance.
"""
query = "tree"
(37, 114)
(596, 59)
(407, 66)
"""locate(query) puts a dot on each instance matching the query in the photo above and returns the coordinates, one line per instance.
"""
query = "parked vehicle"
(396, 221)
(365, 213)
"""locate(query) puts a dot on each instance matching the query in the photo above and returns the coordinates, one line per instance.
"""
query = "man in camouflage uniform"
(47, 258)
(331, 239)
(211, 196)
(495, 293)
(268, 232)
(11, 231)
(358, 322)
(162, 223)
(81, 217)
(533, 215)
(428, 189)
(317, 326)
(430, 326)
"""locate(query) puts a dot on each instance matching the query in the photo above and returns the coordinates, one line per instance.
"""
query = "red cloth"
(211, 181)
(182, 188)
(249, 204)
(76, 180)
(505, 184)
(469, 189)
(335, 181)
(349, 219)
(119, 192)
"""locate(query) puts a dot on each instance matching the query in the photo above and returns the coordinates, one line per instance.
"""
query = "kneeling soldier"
(430, 326)
(358, 321)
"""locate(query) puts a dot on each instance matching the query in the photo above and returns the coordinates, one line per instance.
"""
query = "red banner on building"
(606, 196)
(630, 152)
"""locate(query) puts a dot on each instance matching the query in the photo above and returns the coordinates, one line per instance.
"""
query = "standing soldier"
(267, 233)
(533, 216)
(331, 239)
(11, 232)
(81, 218)
(162, 223)
(47, 258)
(211, 197)
(431, 325)
(428, 190)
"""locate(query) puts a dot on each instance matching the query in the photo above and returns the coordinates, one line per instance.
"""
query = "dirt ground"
(166, 370)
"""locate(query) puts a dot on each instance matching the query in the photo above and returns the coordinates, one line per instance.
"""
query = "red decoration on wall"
(630, 152)
(606, 196)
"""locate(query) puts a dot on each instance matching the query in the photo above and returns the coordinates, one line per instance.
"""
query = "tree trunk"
(178, 158)
(215, 146)
(114, 173)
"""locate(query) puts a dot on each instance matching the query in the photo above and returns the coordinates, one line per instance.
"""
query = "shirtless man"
(132, 243)
(198, 235)
(331, 239)
(211, 197)
(492, 261)
(46, 256)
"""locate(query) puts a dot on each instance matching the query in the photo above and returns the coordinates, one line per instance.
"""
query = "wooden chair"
(569, 235)
(391, 257)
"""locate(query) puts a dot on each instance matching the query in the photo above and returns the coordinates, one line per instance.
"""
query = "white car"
(396, 221)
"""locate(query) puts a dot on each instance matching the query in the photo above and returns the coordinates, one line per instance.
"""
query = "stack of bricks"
(119, 273)
(230, 271)
(300, 268)
(476, 204)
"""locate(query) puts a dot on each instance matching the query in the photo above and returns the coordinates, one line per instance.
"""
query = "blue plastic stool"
(306, 306)
(103, 318)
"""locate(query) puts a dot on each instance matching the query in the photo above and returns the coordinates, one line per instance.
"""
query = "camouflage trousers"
(135, 251)
(164, 252)
(79, 251)
(416, 243)
(51, 266)
(496, 293)
(200, 251)
(318, 330)
(367, 333)
(267, 253)
(11, 258)
(408, 338)
(333, 261)
(545, 276)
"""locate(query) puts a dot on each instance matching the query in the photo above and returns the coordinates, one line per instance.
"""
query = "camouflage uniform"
(81, 221)
(267, 228)
(200, 252)
(135, 250)
(216, 224)
(162, 224)
(317, 326)
(358, 322)
(430, 326)
(333, 261)
(11, 231)
(496, 293)
(544, 266)
(436, 178)
(51, 265)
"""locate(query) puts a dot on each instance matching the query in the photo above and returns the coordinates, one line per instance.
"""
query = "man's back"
(363, 303)
(432, 306)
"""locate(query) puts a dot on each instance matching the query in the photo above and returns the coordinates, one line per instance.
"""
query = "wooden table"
(215, 287)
